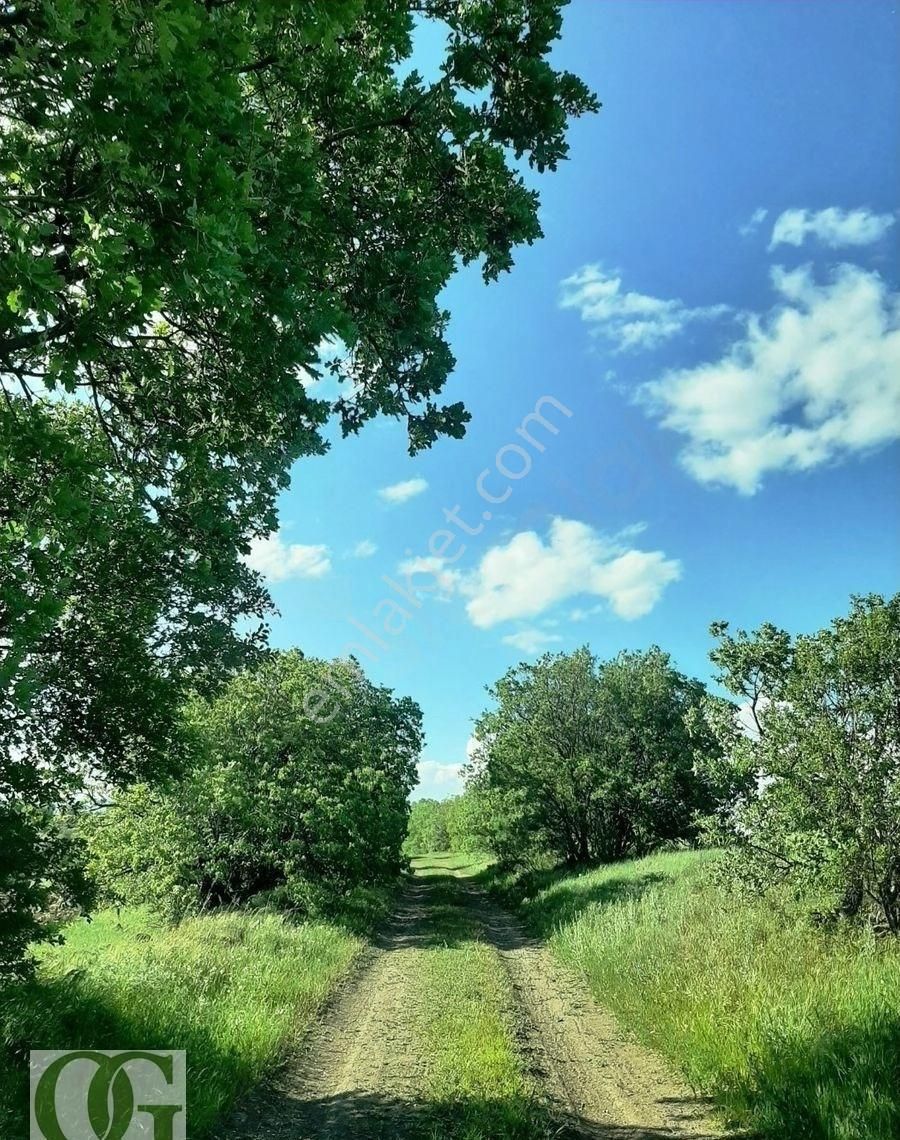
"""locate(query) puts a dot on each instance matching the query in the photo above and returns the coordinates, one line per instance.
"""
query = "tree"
(468, 822)
(204, 207)
(427, 829)
(595, 760)
(821, 807)
(198, 197)
(103, 635)
(272, 799)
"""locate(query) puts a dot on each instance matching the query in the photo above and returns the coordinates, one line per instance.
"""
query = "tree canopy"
(819, 807)
(270, 799)
(206, 208)
(427, 829)
(592, 759)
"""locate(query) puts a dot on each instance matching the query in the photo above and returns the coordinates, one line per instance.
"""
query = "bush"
(272, 800)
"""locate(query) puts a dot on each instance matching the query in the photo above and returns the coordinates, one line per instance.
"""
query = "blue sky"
(713, 313)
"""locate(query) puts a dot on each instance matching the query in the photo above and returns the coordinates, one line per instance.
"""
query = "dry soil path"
(359, 1074)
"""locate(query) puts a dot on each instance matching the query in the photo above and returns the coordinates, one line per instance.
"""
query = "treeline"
(452, 824)
(797, 775)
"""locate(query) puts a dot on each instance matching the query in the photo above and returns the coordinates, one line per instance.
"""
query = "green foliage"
(593, 760)
(203, 207)
(234, 990)
(465, 823)
(41, 865)
(101, 630)
(469, 822)
(427, 829)
(275, 805)
(792, 1030)
(821, 807)
(196, 195)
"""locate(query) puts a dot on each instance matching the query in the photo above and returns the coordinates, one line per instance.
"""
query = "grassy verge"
(233, 990)
(474, 1081)
(795, 1031)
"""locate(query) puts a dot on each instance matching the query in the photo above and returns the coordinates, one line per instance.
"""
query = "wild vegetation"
(819, 773)
(766, 969)
(234, 989)
(458, 823)
(272, 806)
(206, 209)
(594, 760)
(598, 761)
(793, 1030)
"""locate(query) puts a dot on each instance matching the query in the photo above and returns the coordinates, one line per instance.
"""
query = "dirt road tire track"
(599, 1083)
(360, 1076)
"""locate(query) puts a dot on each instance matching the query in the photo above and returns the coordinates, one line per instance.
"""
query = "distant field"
(795, 1032)
(232, 989)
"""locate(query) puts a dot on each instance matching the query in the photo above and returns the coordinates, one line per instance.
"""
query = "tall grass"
(794, 1030)
(232, 989)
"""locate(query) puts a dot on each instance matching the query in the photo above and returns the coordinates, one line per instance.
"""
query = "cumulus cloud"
(364, 549)
(401, 492)
(279, 561)
(528, 575)
(833, 227)
(630, 320)
(439, 778)
(531, 640)
(814, 380)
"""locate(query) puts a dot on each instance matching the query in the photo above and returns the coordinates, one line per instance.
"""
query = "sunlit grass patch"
(795, 1031)
(232, 989)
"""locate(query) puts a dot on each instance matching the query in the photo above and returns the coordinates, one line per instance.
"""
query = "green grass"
(232, 989)
(461, 864)
(794, 1031)
(474, 1083)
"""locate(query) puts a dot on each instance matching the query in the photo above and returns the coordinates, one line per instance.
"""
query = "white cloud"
(401, 492)
(833, 227)
(756, 219)
(531, 640)
(443, 582)
(321, 380)
(631, 320)
(278, 561)
(364, 549)
(581, 613)
(437, 779)
(814, 380)
(331, 348)
(527, 576)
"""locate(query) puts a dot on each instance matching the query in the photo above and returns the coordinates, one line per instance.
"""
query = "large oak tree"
(196, 199)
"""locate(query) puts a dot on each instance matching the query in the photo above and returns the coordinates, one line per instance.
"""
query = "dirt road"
(363, 1072)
